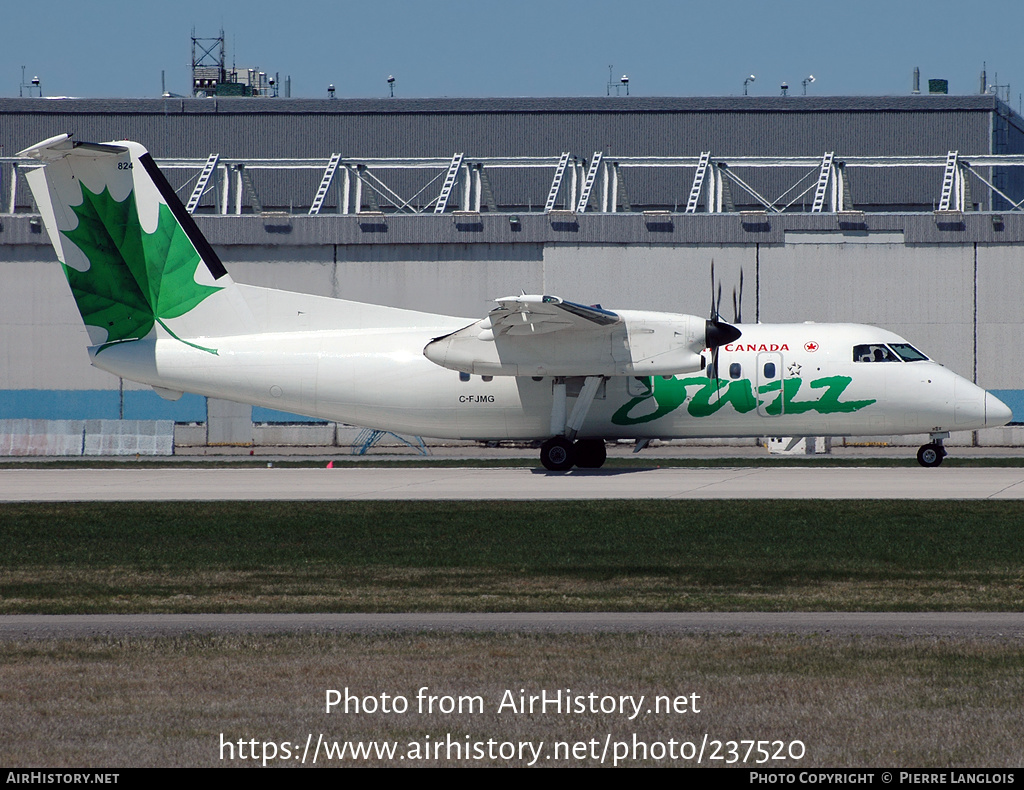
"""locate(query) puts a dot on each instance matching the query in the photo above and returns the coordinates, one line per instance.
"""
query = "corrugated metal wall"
(768, 126)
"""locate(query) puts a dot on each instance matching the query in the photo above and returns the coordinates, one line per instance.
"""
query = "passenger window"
(769, 370)
(735, 370)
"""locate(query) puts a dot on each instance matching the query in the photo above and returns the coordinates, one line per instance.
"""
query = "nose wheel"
(931, 455)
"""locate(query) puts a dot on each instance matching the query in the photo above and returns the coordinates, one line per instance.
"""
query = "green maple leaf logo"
(135, 279)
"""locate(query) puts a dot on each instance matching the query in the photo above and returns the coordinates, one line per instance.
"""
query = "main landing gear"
(558, 454)
(931, 455)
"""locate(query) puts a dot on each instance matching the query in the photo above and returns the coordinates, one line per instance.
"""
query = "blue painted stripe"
(147, 405)
(1015, 400)
(106, 405)
(260, 414)
(98, 405)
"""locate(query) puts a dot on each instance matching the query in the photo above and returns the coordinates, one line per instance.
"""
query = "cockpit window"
(907, 352)
(874, 352)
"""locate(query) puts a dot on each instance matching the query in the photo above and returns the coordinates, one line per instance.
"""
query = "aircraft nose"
(996, 412)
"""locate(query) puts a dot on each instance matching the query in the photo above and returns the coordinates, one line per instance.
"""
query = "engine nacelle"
(637, 344)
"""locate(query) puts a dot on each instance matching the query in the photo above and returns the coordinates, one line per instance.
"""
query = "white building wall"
(651, 277)
(1001, 316)
(42, 337)
(924, 293)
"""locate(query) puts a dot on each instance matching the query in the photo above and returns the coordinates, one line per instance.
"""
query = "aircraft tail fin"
(135, 259)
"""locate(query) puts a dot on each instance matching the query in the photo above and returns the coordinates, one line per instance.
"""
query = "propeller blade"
(717, 334)
(714, 315)
(739, 308)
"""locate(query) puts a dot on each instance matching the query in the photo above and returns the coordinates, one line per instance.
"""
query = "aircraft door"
(768, 378)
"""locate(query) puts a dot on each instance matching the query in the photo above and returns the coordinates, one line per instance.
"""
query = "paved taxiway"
(989, 625)
(360, 483)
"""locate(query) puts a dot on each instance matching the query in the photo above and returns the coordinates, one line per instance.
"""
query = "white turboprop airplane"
(161, 309)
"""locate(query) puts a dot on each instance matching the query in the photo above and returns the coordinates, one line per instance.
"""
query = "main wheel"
(931, 455)
(590, 453)
(557, 454)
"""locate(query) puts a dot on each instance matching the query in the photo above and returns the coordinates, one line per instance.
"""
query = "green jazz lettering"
(704, 396)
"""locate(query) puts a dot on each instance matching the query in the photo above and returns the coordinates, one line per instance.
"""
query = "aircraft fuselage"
(778, 379)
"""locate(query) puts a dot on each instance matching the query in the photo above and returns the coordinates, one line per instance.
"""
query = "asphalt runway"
(425, 483)
(985, 625)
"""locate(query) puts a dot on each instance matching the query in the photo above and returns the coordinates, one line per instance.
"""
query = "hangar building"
(902, 212)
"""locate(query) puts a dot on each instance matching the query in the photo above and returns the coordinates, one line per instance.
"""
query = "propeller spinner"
(719, 333)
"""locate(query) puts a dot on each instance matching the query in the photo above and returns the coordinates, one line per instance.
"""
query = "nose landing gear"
(931, 455)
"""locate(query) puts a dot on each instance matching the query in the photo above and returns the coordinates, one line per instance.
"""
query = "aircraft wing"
(540, 335)
(538, 315)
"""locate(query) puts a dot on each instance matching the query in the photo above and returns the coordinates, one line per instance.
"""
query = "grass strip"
(910, 702)
(614, 555)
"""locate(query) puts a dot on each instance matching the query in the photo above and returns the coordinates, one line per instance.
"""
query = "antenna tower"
(208, 64)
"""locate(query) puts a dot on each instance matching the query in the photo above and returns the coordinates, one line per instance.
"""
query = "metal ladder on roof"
(367, 192)
(948, 180)
(243, 171)
(698, 182)
(556, 182)
(727, 202)
(588, 184)
(449, 183)
(823, 176)
(485, 188)
(204, 179)
(325, 184)
(620, 188)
